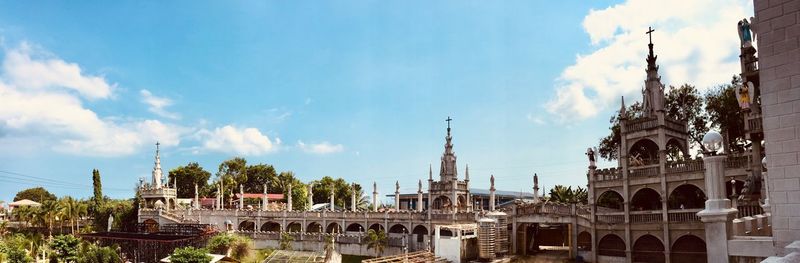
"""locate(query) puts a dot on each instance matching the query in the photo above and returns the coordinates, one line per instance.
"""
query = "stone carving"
(745, 35)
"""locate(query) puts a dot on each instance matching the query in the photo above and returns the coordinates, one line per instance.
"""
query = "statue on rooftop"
(745, 35)
(591, 153)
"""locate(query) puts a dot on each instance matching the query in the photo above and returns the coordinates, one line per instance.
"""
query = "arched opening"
(150, 226)
(676, 151)
(398, 229)
(314, 227)
(247, 226)
(611, 245)
(442, 203)
(648, 249)
(585, 241)
(686, 196)
(643, 152)
(271, 227)
(688, 249)
(377, 227)
(333, 228)
(355, 227)
(462, 203)
(420, 232)
(610, 200)
(738, 187)
(294, 227)
(445, 232)
(646, 199)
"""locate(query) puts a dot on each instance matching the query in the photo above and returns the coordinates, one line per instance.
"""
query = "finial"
(430, 172)
(622, 111)
(397, 186)
(535, 180)
(650, 33)
(420, 185)
(466, 176)
(448, 120)
(491, 180)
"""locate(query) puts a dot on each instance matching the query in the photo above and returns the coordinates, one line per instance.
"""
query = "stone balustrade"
(683, 216)
(340, 238)
(608, 174)
(612, 218)
(640, 217)
(641, 124)
(685, 166)
(645, 171)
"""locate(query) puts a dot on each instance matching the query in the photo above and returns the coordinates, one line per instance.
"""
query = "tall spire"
(447, 170)
(157, 173)
(653, 93)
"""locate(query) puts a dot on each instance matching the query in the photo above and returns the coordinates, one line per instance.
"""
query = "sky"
(349, 89)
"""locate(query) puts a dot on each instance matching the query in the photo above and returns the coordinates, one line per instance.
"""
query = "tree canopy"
(190, 255)
(187, 177)
(36, 194)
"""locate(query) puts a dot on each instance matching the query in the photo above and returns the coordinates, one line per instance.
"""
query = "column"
(353, 199)
(265, 199)
(455, 196)
(717, 214)
(374, 197)
(419, 197)
(196, 197)
(333, 204)
(289, 199)
(310, 197)
(491, 194)
(397, 196)
(241, 197)
(535, 188)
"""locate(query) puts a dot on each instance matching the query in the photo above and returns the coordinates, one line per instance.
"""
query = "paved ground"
(547, 255)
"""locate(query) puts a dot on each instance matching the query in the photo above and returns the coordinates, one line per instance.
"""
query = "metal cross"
(650, 32)
(448, 121)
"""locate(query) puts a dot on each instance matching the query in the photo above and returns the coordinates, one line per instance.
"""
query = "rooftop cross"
(448, 122)
(650, 33)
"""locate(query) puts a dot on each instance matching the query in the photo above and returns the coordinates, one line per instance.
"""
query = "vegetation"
(563, 194)
(286, 241)
(91, 253)
(190, 255)
(36, 194)
(342, 190)
(716, 109)
(377, 241)
(235, 246)
(65, 248)
(187, 177)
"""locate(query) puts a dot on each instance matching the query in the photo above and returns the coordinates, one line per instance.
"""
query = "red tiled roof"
(259, 196)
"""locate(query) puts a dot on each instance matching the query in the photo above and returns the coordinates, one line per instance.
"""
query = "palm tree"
(562, 194)
(49, 212)
(70, 210)
(376, 240)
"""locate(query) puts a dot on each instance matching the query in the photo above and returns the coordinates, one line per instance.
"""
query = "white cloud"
(320, 148)
(24, 71)
(245, 141)
(157, 104)
(538, 120)
(37, 104)
(696, 42)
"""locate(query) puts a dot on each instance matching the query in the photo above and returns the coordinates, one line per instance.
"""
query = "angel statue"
(744, 94)
(745, 36)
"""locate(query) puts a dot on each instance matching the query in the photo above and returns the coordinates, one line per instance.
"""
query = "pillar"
(491, 194)
(196, 197)
(289, 199)
(241, 197)
(353, 199)
(430, 190)
(265, 199)
(717, 214)
(455, 196)
(469, 196)
(333, 204)
(535, 188)
(419, 197)
(396, 195)
(374, 197)
(310, 197)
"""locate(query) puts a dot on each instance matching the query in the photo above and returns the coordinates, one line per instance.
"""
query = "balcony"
(645, 171)
(608, 174)
(641, 217)
(684, 216)
(612, 218)
(685, 166)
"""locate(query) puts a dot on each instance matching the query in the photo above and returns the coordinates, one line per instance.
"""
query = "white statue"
(110, 222)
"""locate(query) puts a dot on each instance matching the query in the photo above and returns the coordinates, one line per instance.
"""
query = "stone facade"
(777, 26)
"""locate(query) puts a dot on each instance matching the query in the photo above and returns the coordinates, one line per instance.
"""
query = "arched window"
(648, 249)
(585, 241)
(610, 200)
(271, 227)
(686, 196)
(611, 245)
(314, 227)
(646, 199)
(689, 249)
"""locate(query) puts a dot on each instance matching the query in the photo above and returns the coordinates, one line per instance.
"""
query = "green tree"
(377, 241)
(36, 194)
(342, 191)
(49, 211)
(98, 188)
(286, 241)
(190, 255)
(563, 194)
(188, 176)
(232, 173)
(685, 104)
(91, 253)
(71, 210)
(257, 176)
(65, 248)
(609, 145)
(724, 114)
(299, 191)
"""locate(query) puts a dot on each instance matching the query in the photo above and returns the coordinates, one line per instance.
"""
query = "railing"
(392, 241)
(158, 191)
(683, 216)
(608, 174)
(611, 219)
(543, 208)
(676, 125)
(754, 124)
(647, 217)
(641, 124)
(644, 172)
(741, 161)
(749, 210)
(685, 166)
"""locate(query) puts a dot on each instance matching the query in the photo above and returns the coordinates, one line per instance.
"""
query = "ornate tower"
(449, 194)
(448, 170)
(157, 173)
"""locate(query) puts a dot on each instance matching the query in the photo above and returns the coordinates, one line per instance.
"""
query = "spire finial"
(650, 33)
(448, 120)
(466, 176)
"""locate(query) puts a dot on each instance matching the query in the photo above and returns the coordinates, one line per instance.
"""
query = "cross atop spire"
(448, 120)
(650, 33)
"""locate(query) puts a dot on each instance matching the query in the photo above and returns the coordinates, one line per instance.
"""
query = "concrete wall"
(777, 35)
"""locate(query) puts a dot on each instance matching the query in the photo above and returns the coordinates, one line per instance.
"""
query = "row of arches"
(648, 248)
(687, 196)
(333, 227)
(645, 151)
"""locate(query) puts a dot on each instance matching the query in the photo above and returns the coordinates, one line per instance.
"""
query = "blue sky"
(351, 89)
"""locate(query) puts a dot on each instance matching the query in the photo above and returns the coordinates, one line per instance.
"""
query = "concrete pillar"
(374, 197)
(241, 197)
(397, 196)
(353, 199)
(455, 196)
(419, 197)
(289, 199)
(717, 215)
(333, 203)
(491, 194)
(196, 197)
(265, 199)
(310, 197)
(535, 188)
